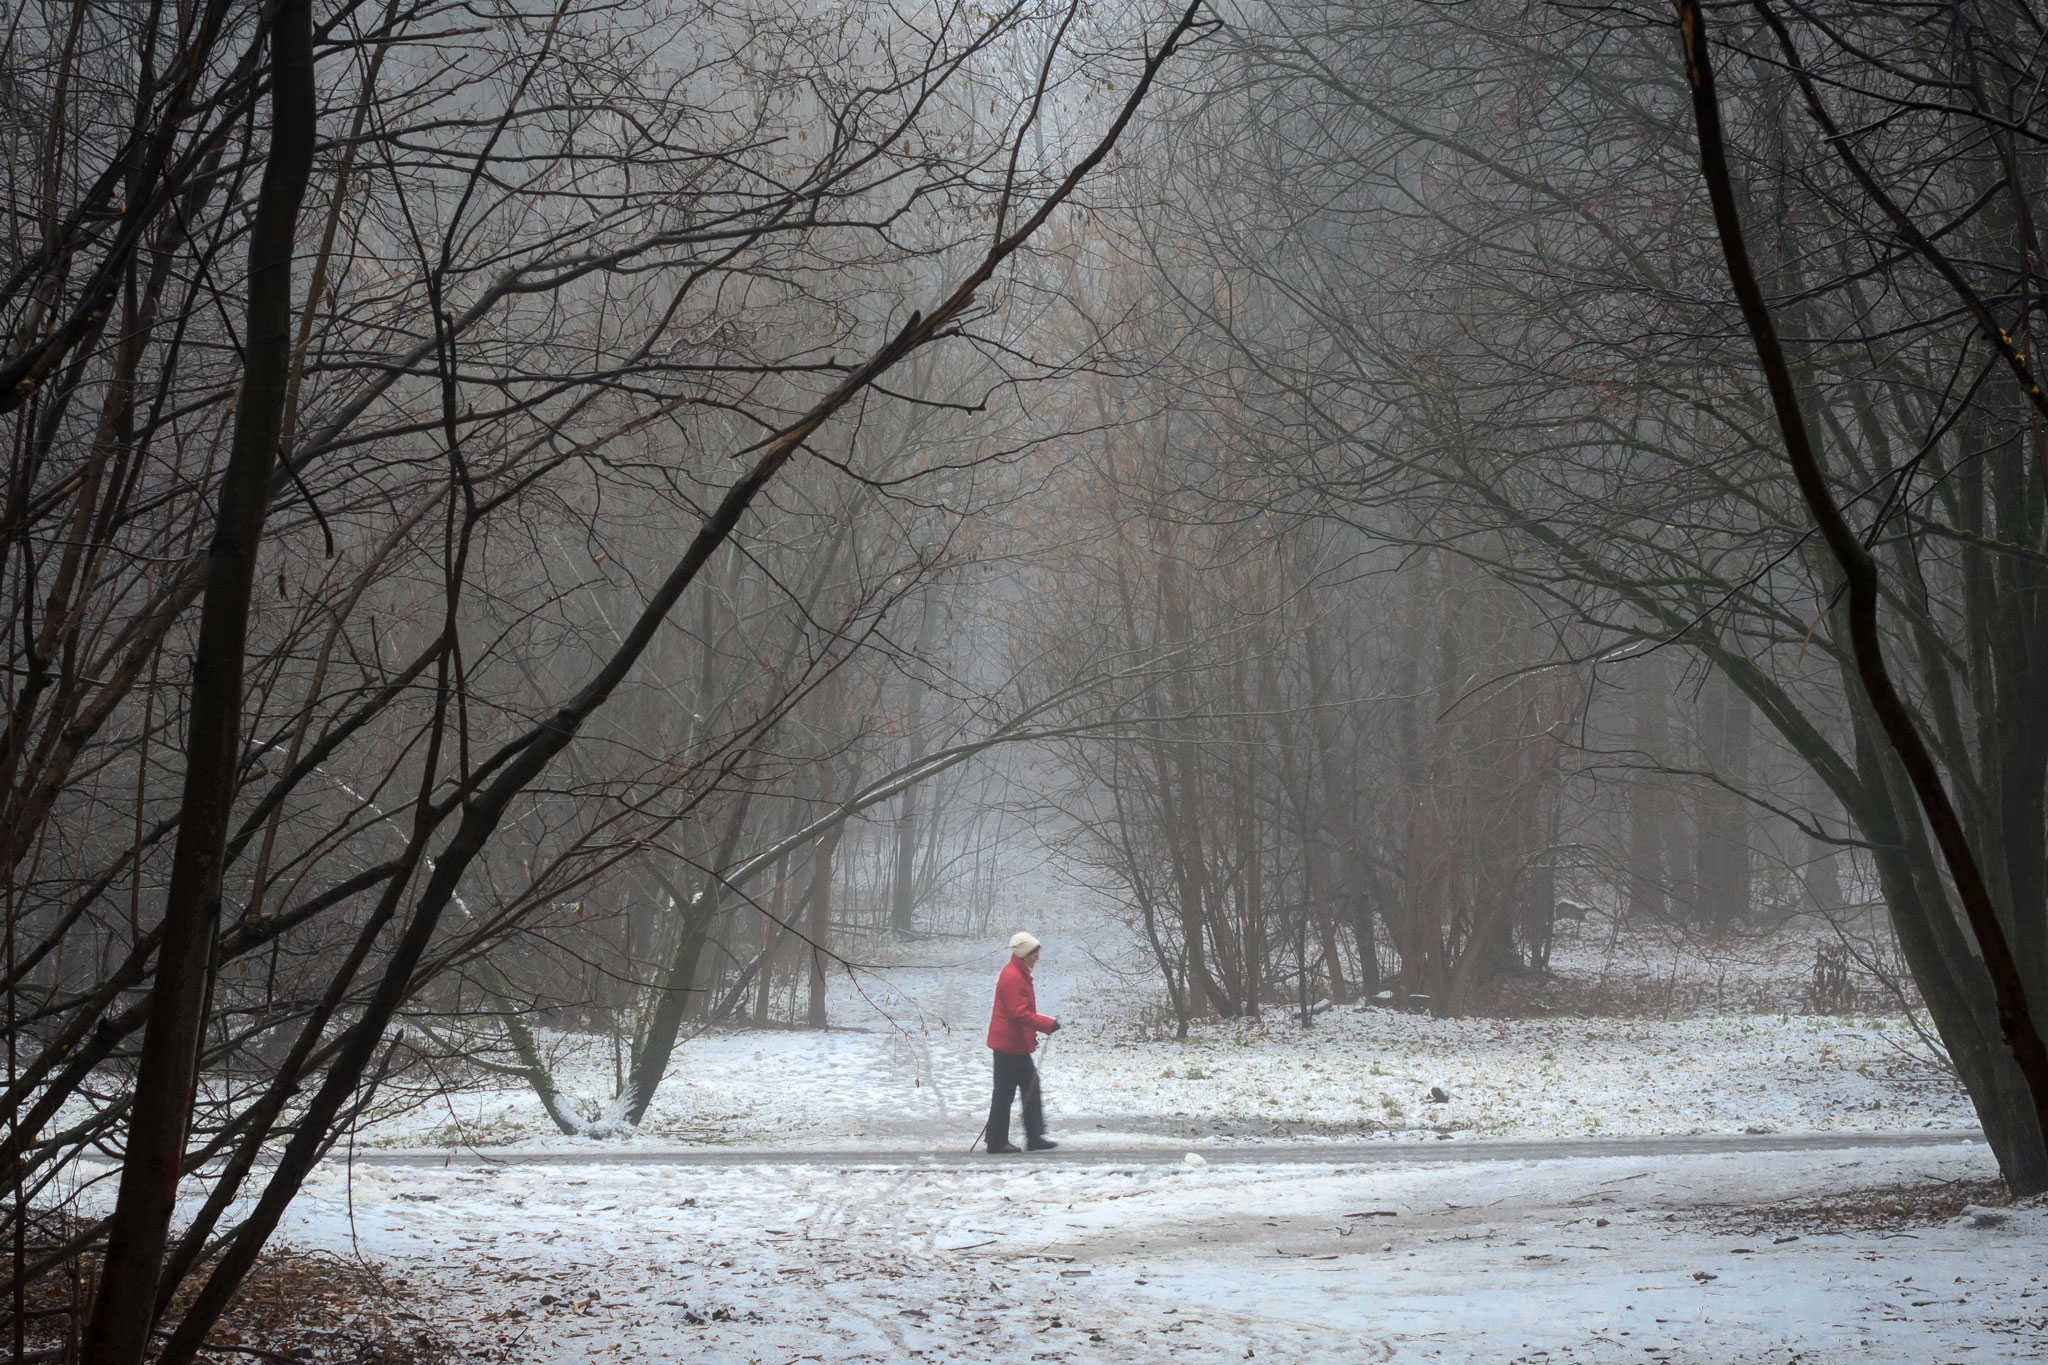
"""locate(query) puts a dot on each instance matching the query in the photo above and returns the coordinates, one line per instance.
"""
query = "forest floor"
(802, 1248)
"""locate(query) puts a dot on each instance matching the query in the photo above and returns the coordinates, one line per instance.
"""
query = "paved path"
(1076, 1152)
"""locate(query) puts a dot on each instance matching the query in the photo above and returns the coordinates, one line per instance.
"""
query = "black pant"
(1014, 1072)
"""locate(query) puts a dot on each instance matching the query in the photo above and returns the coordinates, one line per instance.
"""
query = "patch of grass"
(294, 1306)
(491, 1132)
(1646, 996)
(1881, 1209)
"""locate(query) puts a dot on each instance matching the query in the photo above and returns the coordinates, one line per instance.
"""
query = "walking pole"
(1039, 1078)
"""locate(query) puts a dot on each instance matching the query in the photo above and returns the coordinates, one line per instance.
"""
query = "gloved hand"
(1055, 1027)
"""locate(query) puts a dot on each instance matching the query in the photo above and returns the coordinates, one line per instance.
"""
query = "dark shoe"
(1039, 1145)
(1002, 1149)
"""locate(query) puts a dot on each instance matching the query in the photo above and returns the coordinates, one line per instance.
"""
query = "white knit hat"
(1022, 944)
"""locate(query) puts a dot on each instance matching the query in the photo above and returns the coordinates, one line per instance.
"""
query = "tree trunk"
(1338, 809)
(1649, 827)
(776, 935)
(124, 1313)
(821, 905)
(1822, 874)
(903, 883)
(1723, 883)
(2013, 998)
(694, 916)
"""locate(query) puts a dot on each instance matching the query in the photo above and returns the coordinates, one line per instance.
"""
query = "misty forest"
(1423, 622)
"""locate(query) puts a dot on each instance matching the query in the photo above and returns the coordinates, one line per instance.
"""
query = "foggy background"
(1345, 531)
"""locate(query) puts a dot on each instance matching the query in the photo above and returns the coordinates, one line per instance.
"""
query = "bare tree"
(1515, 342)
(552, 262)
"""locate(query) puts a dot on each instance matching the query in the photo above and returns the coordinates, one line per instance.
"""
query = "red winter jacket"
(1012, 1025)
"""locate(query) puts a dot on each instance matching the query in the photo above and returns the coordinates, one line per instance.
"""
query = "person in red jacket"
(1013, 1028)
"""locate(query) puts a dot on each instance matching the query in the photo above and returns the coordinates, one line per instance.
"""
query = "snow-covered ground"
(1353, 1073)
(1706, 1258)
(1661, 1259)
(906, 1060)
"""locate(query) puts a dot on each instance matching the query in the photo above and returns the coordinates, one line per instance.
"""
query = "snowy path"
(1075, 1152)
